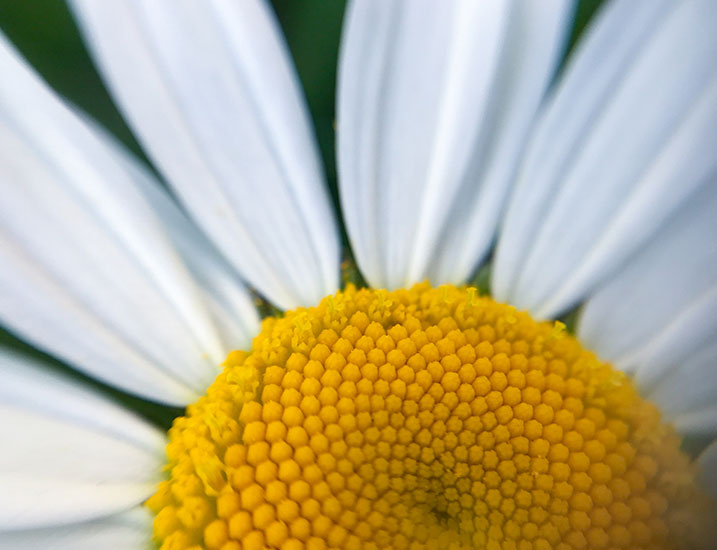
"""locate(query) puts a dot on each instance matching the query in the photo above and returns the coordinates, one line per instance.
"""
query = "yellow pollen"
(429, 418)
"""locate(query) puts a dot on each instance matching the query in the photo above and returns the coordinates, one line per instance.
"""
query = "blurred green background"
(45, 33)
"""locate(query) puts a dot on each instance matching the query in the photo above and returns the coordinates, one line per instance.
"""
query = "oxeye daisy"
(415, 411)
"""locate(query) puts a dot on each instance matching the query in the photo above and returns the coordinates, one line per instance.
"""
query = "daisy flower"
(413, 413)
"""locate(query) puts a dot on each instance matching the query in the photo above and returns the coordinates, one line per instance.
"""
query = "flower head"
(398, 415)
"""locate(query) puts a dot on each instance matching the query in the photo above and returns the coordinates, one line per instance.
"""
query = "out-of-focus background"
(45, 33)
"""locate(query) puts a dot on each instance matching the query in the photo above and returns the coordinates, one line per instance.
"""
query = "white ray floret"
(210, 93)
(434, 103)
(656, 317)
(87, 269)
(123, 531)
(627, 138)
(229, 304)
(686, 394)
(69, 454)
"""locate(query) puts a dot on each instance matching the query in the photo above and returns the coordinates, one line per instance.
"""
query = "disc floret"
(423, 418)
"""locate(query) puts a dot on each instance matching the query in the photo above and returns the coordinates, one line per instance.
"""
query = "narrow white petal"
(689, 386)
(434, 103)
(130, 530)
(87, 269)
(693, 328)
(68, 453)
(531, 51)
(707, 462)
(227, 299)
(627, 138)
(210, 92)
(656, 317)
(659, 310)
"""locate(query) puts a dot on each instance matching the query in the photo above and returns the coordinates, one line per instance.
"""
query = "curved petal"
(656, 317)
(686, 394)
(68, 454)
(627, 138)
(210, 92)
(226, 298)
(707, 462)
(87, 270)
(667, 289)
(131, 530)
(434, 103)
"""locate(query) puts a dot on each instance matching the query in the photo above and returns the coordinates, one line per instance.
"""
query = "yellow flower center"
(423, 419)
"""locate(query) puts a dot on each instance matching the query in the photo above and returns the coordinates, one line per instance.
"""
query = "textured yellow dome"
(427, 418)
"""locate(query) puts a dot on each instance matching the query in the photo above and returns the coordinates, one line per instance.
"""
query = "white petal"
(434, 102)
(131, 530)
(686, 394)
(707, 462)
(87, 270)
(68, 453)
(227, 299)
(209, 90)
(693, 328)
(627, 138)
(660, 309)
